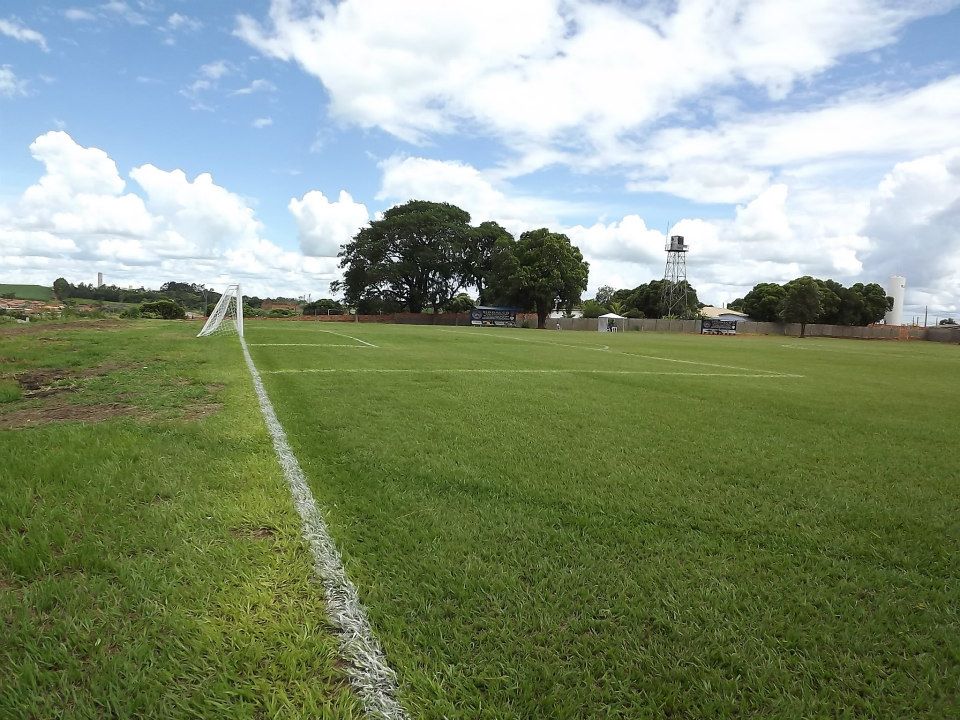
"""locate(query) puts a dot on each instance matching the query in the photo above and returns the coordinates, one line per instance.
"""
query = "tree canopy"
(763, 302)
(801, 302)
(481, 247)
(858, 304)
(539, 271)
(416, 256)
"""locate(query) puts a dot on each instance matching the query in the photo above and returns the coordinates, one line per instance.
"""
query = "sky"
(215, 142)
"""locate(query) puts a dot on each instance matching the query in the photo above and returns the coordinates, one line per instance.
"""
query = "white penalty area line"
(350, 337)
(323, 345)
(374, 680)
(526, 371)
(771, 373)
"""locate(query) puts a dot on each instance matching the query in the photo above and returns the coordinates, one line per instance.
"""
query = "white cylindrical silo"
(895, 289)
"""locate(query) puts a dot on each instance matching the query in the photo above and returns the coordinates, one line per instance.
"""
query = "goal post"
(227, 316)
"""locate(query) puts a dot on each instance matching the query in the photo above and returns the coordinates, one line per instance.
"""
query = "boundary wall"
(945, 334)
(869, 332)
(410, 318)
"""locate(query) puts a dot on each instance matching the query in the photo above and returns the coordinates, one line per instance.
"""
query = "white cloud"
(914, 227)
(565, 71)
(263, 122)
(183, 22)
(215, 70)
(15, 29)
(10, 84)
(733, 162)
(178, 23)
(79, 218)
(323, 226)
(208, 78)
(123, 11)
(78, 15)
(415, 178)
(258, 85)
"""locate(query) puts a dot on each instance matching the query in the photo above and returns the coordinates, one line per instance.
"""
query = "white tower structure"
(895, 289)
(676, 300)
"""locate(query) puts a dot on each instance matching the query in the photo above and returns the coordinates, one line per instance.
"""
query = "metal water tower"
(676, 300)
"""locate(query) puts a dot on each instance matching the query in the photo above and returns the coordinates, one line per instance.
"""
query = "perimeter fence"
(947, 334)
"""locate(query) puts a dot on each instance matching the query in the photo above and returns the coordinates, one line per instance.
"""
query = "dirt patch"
(33, 417)
(42, 383)
(264, 532)
(50, 381)
(198, 412)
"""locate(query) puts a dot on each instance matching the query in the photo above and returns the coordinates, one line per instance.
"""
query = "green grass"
(27, 292)
(624, 545)
(9, 391)
(151, 564)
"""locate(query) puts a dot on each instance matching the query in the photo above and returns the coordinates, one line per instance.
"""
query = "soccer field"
(622, 525)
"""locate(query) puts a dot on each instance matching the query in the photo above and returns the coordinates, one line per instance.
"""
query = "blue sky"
(781, 138)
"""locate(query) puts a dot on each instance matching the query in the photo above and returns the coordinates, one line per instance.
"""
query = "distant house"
(715, 313)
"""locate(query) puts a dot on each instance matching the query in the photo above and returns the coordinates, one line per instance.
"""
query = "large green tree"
(604, 295)
(414, 257)
(538, 271)
(763, 302)
(478, 261)
(801, 302)
(61, 288)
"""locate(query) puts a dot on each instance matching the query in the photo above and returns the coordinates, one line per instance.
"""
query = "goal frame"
(233, 295)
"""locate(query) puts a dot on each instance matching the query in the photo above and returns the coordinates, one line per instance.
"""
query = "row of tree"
(643, 301)
(859, 304)
(422, 255)
(192, 296)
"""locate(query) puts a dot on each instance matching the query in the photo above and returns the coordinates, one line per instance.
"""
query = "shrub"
(593, 309)
(635, 314)
(164, 309)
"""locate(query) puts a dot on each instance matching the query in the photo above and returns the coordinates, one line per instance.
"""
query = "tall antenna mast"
(676, 299)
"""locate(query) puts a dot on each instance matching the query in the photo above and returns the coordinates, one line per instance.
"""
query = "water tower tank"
(896, 287)
(676, 244)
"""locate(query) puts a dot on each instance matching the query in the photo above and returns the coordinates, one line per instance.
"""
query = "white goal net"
(227, 316)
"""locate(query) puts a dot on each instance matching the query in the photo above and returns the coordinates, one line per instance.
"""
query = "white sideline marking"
(332, 332)
(772, 373)
(530, 371)
(367, 668)
(326, 345)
